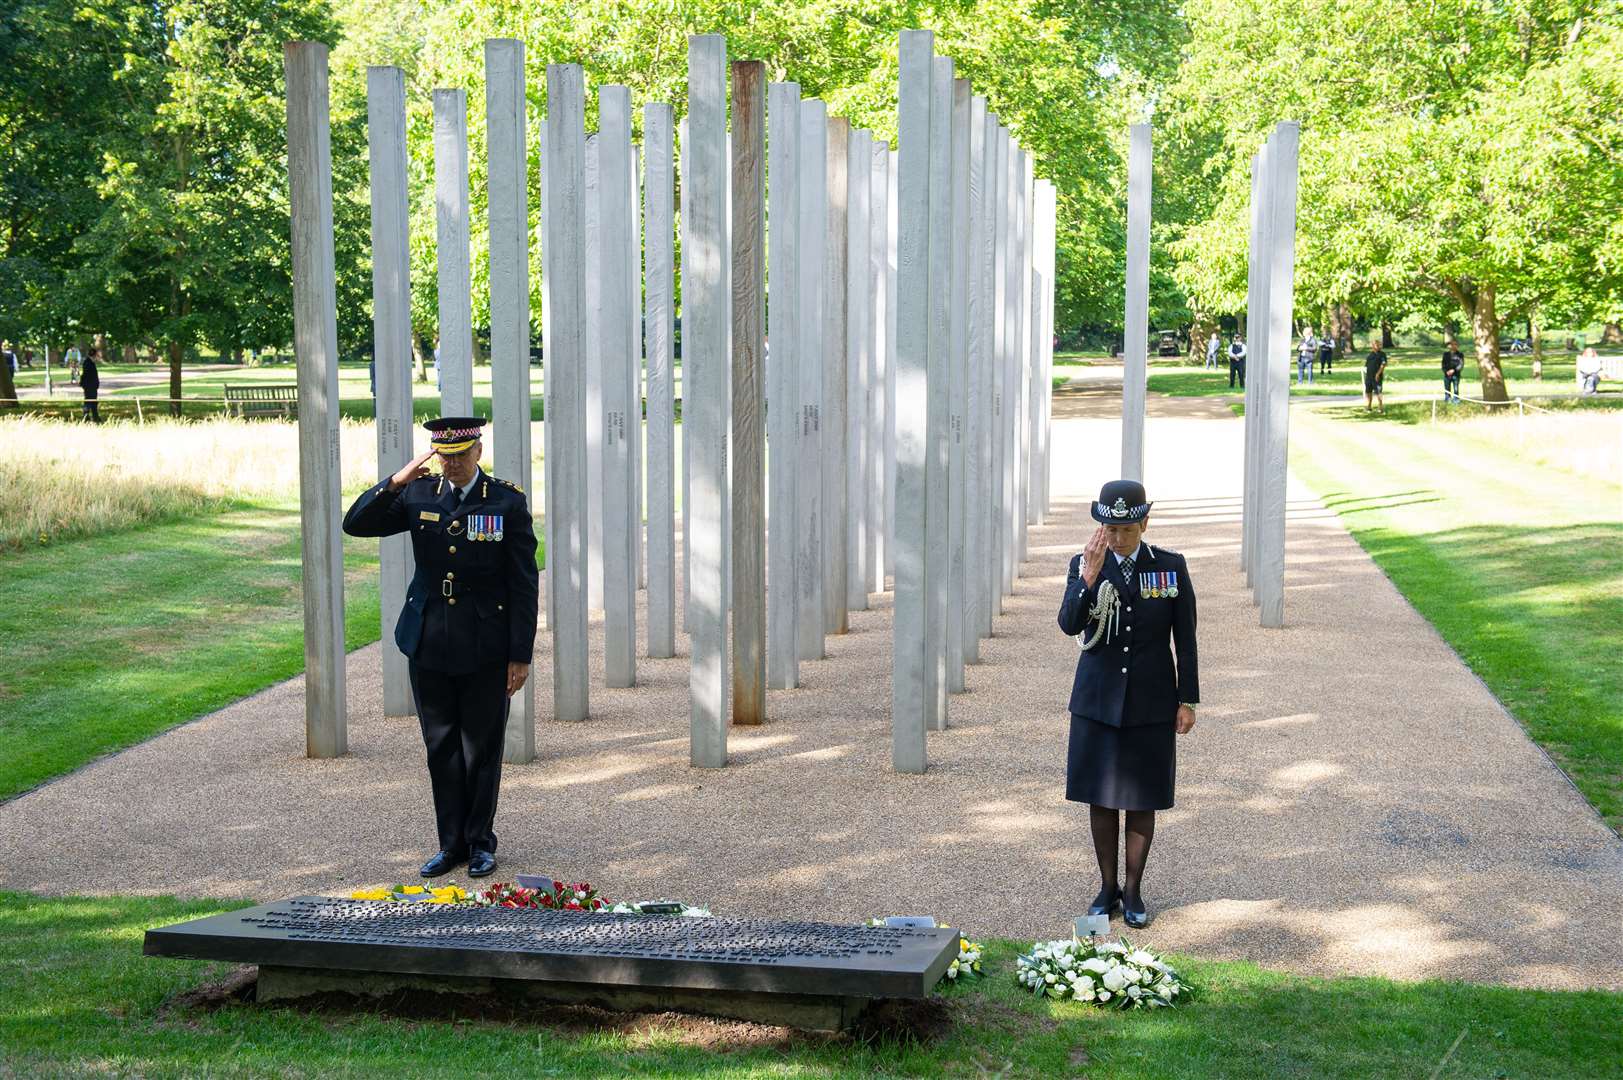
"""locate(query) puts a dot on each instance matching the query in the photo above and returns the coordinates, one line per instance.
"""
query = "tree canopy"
(1462, 160)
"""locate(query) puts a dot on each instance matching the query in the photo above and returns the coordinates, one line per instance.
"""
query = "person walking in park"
(1374, 375)
(1453, 365)
(90, 383)
(1588, 371)
(1212, 345)
(467, 627)
(73, 363)
(1132, 609)
(1327, 354)
(1237, 361)
(1304, 357)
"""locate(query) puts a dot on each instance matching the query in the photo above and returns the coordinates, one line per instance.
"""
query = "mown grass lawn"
(207, 387)
(77, 998)
(113, 638)
(1408, 371)
(1505, 533)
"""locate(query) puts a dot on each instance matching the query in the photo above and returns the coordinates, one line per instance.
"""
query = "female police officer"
(1132, 609)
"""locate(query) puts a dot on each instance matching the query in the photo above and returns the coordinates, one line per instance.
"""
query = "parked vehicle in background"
(1167, 344)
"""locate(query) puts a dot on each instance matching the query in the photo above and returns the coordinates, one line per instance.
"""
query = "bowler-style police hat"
(1121, 502)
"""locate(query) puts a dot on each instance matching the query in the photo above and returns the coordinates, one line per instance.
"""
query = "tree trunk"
(129, 354)
(1485, 327)
(8, 386)
(1386, 334)
(1535, 334)
(177, 353)
(1204, 327)
(419, 354)
(1612, 335)
(1344, 330)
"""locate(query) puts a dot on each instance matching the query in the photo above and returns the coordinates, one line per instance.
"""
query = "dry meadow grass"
(62, 480)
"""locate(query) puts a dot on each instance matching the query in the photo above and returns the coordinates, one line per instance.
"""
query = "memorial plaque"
(770, 956)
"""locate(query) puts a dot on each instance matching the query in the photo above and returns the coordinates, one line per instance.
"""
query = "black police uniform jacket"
(472, 601)
(1130, 680)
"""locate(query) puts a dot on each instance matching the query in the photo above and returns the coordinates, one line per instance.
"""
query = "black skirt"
(1129, 768)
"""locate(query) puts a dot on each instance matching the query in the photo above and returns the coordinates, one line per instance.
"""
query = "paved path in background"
(1353, 800)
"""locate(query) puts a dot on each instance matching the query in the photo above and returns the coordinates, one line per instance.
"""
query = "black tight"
(1106, 825)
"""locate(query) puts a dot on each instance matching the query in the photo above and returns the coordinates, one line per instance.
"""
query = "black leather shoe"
(1133, 913)
(481, 864)
(442, 863)
(1105, 902)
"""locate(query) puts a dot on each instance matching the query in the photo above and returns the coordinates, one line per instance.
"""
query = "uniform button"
(1124, 671)
(453, 549)
(452, 600)
(1127, 628)
(450, 576)
(500, 608)
(1124, 648)
(1129, 607)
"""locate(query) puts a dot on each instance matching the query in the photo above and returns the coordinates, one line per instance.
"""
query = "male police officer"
(467, 627)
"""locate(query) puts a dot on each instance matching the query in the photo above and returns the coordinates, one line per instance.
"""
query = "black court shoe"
(1107, 901)
(1133, 913)
(481, 864)
(442, 863)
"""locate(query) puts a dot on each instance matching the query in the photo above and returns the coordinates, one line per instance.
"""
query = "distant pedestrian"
(1212, 345)
(1327, 354)
(1305, 353)
(1374, 376)
(1589, 371)
(1237, 361)
(73, 363)
(90, 383)
(1453, 365)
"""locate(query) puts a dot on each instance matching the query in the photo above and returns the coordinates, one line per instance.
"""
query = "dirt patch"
(234, 989)
(891, 1020)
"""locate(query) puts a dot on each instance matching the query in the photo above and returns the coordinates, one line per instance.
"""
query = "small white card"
(1093, 926)
(534, 881)
(911, 922)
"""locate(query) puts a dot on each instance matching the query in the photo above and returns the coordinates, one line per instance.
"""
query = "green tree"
(1056, 73)
(1466, 150)
(55, 102)
(191, 241)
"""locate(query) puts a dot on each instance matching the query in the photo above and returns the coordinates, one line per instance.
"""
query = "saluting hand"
(1093, 556)
(415, 469)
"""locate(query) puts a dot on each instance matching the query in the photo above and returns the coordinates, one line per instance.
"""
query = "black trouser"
(1325, 359)
(1237, 368)
(92, 410)
(464, 722)
(1451, 386)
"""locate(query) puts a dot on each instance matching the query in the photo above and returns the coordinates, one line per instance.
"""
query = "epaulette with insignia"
(508, 483)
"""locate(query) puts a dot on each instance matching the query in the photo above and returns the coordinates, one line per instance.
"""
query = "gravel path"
(1352, 801)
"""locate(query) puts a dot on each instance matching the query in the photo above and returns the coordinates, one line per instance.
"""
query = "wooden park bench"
(262, 399)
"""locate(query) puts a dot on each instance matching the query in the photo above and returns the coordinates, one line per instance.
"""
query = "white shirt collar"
(1138, 555)
(462, 492)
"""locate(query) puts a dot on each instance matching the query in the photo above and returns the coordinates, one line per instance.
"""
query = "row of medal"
(484, 526)
(1158, 583)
